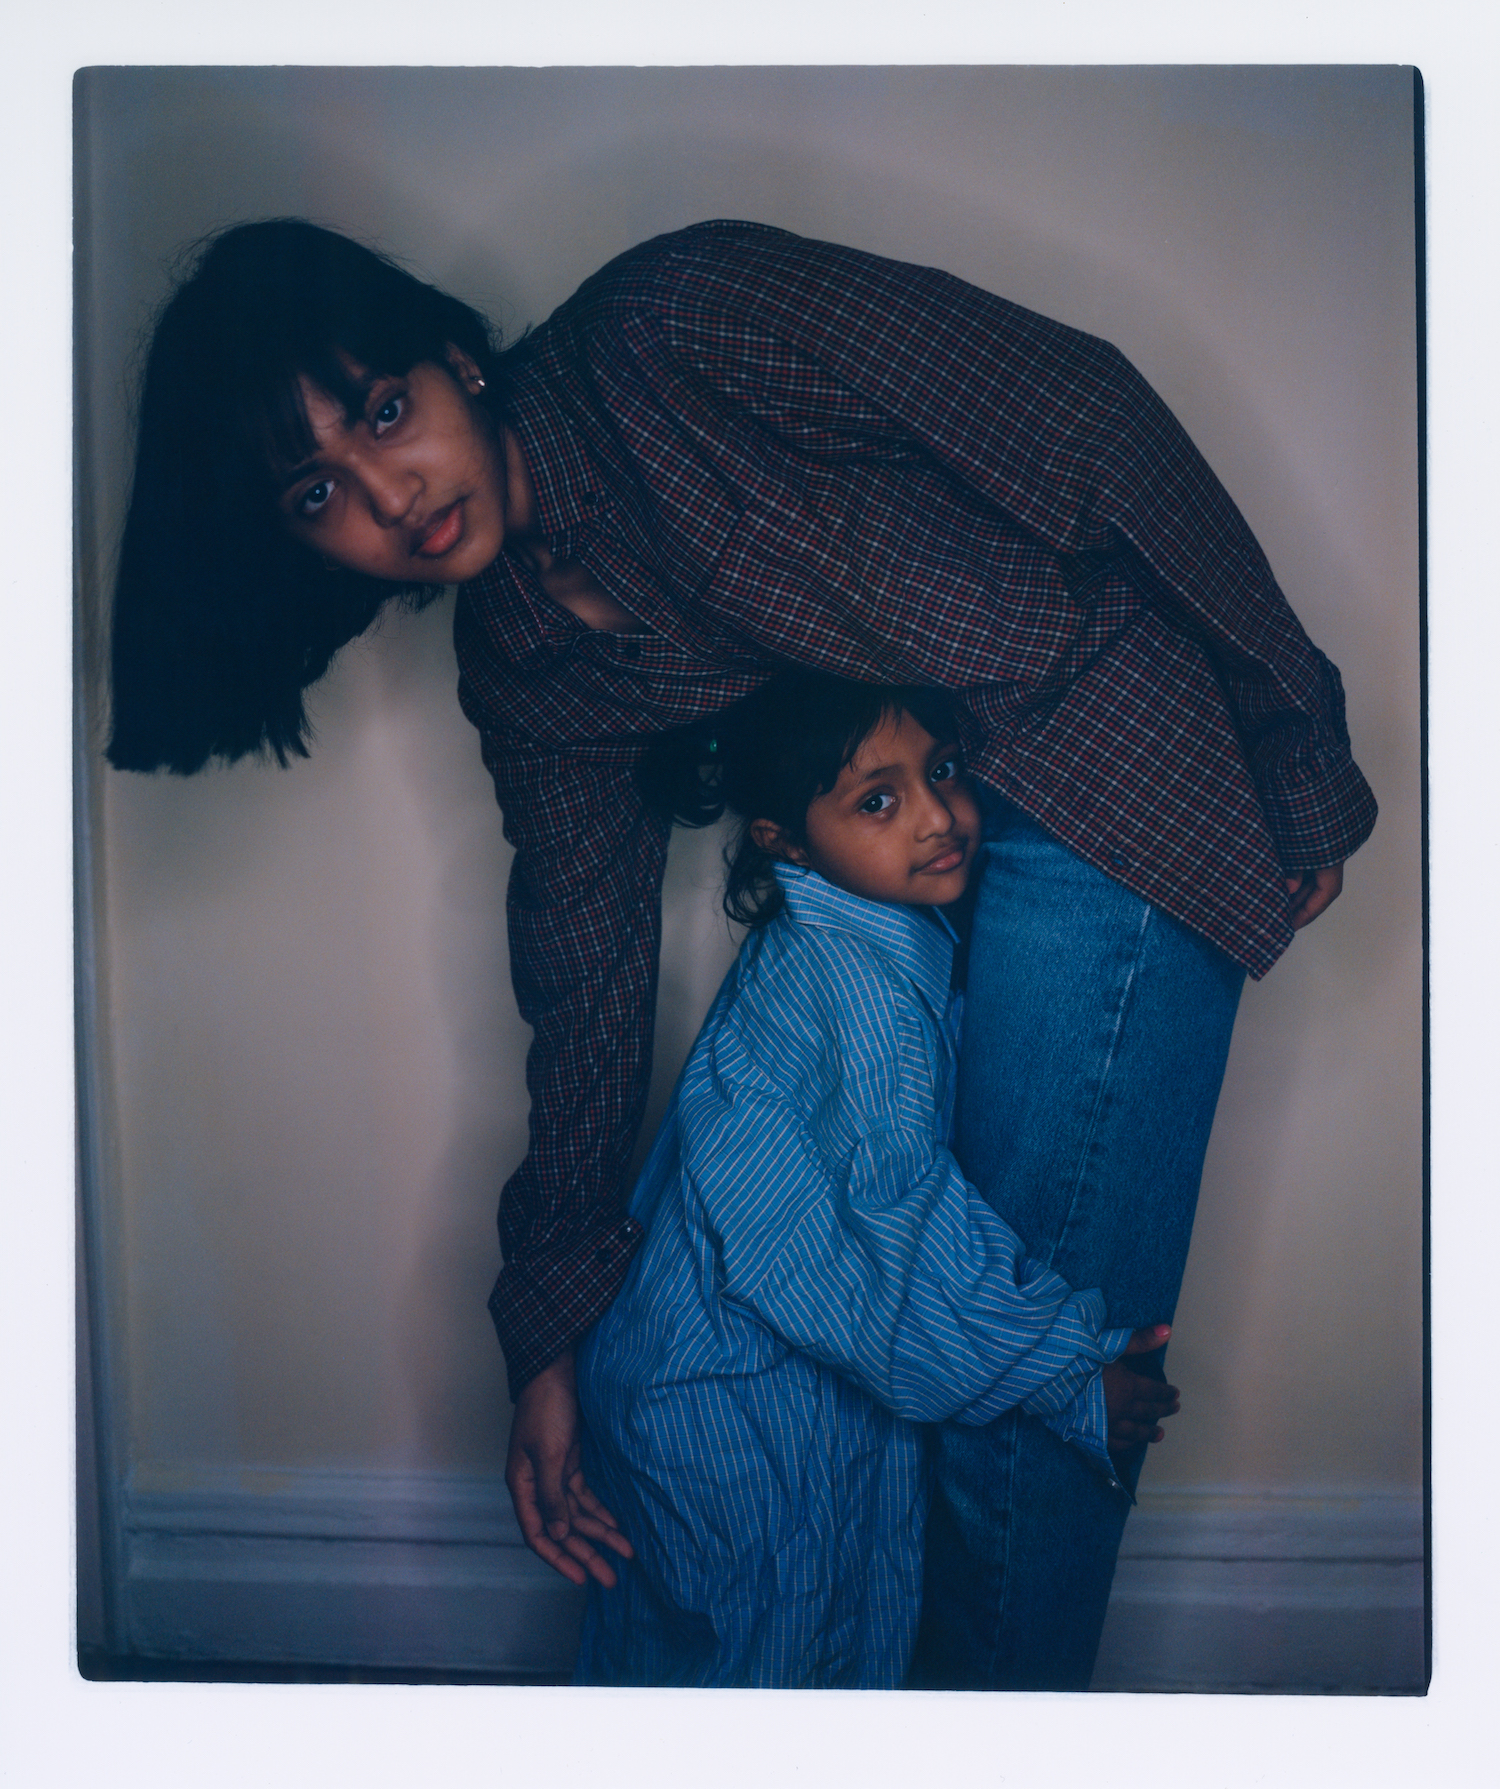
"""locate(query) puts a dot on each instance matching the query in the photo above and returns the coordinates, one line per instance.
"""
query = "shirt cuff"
(1319, 807)
(1319, 814)
(1077, 1412)
(542, 1306)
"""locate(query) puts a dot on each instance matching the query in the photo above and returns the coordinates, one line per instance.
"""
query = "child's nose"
(936, 817)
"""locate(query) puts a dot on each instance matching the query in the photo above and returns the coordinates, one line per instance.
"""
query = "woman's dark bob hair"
(769, 757)
(221, 619)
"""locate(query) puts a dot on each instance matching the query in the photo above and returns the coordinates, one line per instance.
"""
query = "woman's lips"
(443, 532)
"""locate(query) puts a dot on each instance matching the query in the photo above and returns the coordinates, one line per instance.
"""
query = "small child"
(817, 1277)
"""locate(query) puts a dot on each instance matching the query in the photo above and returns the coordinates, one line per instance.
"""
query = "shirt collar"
(563, 475)
(920, 949)
(563, 483)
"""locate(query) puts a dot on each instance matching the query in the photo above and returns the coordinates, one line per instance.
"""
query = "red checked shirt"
(773, 451)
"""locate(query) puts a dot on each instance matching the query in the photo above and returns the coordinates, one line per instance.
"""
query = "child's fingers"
(1148, 1340)
(1154, 1397)
(549, 1526)
(1127, 1435)
(1137, 1389)
(1148, 1415)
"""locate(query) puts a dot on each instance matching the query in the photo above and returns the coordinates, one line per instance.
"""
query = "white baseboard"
(1231, 1590)
(1216, 1590)
(389, 1569)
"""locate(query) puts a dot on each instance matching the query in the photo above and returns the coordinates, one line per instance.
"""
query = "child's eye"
(389, 412)
(312, 500)
(944, 772)
(877, 803)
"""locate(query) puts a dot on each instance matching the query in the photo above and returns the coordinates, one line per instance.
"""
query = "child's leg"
(1095, 1036)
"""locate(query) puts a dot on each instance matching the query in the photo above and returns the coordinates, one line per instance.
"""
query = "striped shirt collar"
(921, 949)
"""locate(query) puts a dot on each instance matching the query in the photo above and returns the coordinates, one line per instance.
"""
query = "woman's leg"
(1095, 1036)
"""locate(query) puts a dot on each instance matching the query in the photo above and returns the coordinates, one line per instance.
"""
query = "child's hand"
(1136, 1404)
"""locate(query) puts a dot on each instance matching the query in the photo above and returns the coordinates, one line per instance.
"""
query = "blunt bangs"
(221, 619)
(283, 301)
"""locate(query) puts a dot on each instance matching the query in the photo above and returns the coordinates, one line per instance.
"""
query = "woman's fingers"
(521, 1479)
(593, 1563)
(578, 1489)
(589, 1517)
(605, 1535)
(1136, 1402)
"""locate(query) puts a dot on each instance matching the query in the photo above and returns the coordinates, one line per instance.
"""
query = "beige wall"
(310, 1060)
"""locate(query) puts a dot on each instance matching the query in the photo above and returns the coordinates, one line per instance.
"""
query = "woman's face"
(413, 489)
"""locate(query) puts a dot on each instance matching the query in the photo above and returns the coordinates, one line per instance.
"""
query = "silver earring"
(479, 382)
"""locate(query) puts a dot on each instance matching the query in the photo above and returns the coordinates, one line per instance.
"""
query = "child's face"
(900, 824)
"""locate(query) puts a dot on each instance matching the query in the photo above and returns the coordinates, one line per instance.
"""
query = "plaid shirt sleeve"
(584, 909)
(839, 349)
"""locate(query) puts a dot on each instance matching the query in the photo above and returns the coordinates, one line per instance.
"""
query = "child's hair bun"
(681, 773)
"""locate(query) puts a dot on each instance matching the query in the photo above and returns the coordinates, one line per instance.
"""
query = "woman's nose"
(390, 492)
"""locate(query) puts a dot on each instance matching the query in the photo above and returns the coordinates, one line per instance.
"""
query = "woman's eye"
(314, 497)
(876, 804)
(389, 413)
(944, 772)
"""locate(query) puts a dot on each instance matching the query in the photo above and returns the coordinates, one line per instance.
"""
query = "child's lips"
(948, 859)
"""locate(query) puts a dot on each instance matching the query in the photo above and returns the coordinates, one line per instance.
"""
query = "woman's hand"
(557, 1511)
(1136, 1403)
(1311, 892)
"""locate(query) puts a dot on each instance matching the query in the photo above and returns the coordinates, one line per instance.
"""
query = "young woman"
(734, 450)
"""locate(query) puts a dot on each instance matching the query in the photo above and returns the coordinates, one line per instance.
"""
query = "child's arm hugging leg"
(889, 1267)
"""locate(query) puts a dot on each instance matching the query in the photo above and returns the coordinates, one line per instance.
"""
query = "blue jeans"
(1095, 1035)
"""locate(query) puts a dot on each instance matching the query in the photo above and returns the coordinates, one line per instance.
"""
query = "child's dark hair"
(221, 619)
(769, 757)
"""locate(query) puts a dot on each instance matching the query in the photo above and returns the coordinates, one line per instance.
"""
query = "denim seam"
(1013, 1421)
(1091, 1129)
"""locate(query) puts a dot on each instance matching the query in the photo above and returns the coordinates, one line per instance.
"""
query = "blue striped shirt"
(817, 1279)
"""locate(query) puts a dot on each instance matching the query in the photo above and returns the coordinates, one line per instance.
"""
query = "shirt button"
(602, 1256)
(1120, 859)
(632, 646)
